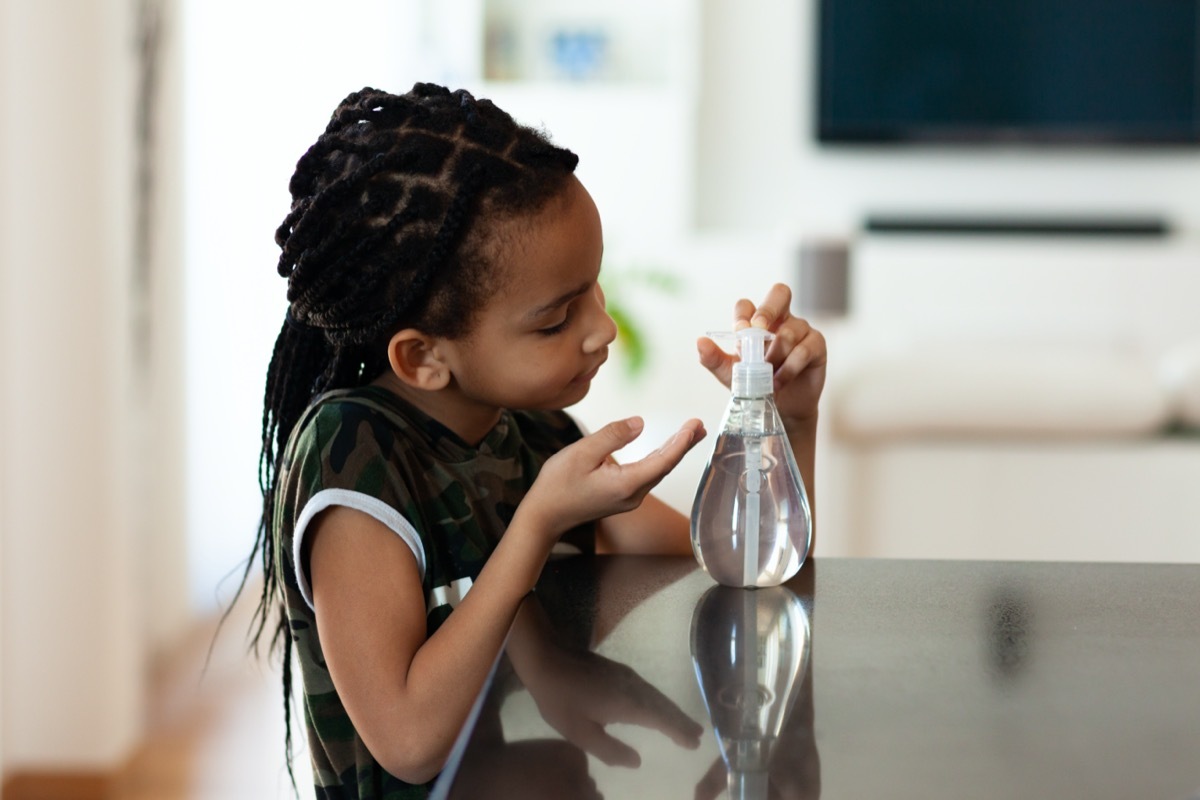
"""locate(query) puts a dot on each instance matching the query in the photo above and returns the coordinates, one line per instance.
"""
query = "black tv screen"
(1071, 71)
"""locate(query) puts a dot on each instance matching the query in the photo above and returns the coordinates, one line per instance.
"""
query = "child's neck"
(467, 418)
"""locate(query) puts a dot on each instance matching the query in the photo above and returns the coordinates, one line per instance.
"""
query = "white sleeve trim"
(371, 506)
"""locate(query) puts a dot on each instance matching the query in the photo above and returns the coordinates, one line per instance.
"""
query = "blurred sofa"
(1016, 400)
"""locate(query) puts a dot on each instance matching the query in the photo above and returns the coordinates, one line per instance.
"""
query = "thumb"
(715, 360)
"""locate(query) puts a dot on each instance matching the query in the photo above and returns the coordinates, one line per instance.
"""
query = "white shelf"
(576, 41)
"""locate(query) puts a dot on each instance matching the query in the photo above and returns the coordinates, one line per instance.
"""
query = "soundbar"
(1016, 226)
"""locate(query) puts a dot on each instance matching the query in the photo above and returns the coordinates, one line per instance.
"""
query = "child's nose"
(603, 330)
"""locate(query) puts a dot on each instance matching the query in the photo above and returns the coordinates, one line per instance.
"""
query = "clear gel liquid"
(751, 522)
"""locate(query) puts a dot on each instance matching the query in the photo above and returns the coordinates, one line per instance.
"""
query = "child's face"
(539, 342)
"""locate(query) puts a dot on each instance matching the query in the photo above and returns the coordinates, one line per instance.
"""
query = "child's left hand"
(797, 353)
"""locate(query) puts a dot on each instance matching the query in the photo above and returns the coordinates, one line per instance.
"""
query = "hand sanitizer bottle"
(751, 523)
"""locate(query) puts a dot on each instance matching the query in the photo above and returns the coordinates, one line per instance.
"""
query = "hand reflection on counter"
(751, 652)
(578, 693)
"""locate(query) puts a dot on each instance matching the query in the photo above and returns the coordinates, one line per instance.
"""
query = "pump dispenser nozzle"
(752, 375)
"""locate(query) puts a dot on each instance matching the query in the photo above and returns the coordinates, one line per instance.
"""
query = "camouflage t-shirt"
(450, 502)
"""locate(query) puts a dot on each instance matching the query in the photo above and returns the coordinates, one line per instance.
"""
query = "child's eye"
(555, 329)
(568, 315)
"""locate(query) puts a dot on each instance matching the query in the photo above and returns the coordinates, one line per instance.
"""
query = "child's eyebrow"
(562, 299)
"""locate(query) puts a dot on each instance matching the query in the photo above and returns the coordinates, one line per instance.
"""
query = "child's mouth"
(587, 376)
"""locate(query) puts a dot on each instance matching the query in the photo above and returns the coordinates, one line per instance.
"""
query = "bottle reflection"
(751, 654)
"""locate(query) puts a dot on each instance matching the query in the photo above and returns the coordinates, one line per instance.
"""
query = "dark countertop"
(870, 678)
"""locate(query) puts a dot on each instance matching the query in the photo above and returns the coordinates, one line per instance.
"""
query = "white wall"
(261, 80)
(8, 72)
(71, 654)
(159, 481)
(761, 169)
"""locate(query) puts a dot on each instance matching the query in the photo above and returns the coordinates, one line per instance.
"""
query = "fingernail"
(635, 424)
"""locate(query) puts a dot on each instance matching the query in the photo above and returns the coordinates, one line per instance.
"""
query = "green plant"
(619, 286)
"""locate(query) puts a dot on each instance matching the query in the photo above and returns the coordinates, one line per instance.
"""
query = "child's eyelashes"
(569, 314)
(556, 329)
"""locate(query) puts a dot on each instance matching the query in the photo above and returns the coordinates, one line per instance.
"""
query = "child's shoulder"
(351, 405)
(360, 399)
(345, 415)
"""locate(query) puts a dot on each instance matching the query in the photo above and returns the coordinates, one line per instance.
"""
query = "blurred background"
(1004, 260)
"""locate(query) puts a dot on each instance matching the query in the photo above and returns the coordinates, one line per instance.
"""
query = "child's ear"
(415, 360)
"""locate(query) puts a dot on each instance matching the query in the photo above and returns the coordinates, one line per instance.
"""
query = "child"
(442, 266)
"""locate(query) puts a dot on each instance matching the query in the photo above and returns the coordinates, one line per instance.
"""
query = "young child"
(442, 266)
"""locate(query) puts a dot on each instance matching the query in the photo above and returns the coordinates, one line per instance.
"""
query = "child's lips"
(587, 376)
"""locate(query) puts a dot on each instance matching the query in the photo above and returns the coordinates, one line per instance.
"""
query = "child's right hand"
(583, 482)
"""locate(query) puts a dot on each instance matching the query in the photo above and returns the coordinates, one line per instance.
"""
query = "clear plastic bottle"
(751, 523)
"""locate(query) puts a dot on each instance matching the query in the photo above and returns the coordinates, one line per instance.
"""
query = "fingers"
(773, 314)
(743, 311)
(640, 477)
(609, 749)
(773, 311)
(715, 360)
(611, 438)
(656, 711)
(797, 345)
(795, 350)
(672, 451)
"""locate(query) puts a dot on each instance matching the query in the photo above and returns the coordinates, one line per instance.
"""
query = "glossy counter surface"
(859, 678)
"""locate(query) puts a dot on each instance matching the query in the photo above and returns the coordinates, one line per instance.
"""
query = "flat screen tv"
(1068, 71)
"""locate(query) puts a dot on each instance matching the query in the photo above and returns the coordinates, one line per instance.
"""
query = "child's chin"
(575, 392)
(565, 399)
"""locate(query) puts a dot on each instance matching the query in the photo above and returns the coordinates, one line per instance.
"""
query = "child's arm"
(408, 696)
(653, 528)
(798, 354)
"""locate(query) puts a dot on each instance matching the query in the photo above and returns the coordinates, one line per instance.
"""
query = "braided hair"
(388, 229)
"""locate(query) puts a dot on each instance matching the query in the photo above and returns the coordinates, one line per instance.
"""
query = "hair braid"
(448, 234)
